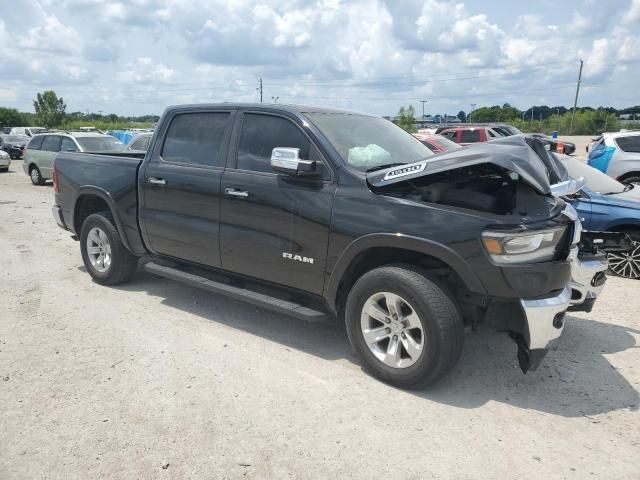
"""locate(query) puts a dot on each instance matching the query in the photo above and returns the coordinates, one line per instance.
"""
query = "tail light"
(55, 177)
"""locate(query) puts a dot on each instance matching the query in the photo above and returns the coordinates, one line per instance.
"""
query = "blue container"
(554, 134)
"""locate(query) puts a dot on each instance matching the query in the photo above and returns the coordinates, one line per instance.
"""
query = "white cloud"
(366, 54)
(144, 70)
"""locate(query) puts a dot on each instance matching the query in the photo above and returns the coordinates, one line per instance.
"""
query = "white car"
(28, 131)
(5, 161)
(618, 155)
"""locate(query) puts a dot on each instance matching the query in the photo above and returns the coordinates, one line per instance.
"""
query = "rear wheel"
(403, 326)
(627, 265)
(105, 257)
(36, 176)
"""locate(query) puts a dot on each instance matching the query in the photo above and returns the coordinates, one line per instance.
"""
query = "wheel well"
(32, 166)
(379, 256)
(85, 206)
(628, 175)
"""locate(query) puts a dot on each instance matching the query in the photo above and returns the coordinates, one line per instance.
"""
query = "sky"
(136, 57)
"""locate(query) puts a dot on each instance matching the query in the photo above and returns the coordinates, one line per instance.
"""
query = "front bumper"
(5, 162)
(543, 325)
(588, 276)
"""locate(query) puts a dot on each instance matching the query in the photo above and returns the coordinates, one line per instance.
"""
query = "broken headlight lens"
(515, 247)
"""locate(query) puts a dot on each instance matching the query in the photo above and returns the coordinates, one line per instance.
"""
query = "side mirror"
(287, 160)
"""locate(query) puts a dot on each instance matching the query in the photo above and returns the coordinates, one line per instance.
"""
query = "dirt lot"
(158, 380)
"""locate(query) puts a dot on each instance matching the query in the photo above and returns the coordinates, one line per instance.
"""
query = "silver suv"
(42, 149)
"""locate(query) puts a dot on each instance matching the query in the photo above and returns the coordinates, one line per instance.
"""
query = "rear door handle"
(156, 181)
(233, 192)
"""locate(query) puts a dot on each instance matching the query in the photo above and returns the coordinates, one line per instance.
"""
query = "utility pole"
(532, 113)
(473, 107)
(275, 99)
(575, 102)
(259, 88)
(423, 102)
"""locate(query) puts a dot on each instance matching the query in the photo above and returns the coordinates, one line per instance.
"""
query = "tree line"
(51, 111)
(540, 118)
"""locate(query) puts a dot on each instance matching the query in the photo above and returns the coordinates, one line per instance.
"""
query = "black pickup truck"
(323, 213)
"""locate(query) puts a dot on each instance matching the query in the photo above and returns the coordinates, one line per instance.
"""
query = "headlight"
(512, 247)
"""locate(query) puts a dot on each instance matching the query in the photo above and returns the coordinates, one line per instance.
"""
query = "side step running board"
(286, 307)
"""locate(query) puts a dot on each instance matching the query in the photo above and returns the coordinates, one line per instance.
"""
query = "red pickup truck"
(469, 135)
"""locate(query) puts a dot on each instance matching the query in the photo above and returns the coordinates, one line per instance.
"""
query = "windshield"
(595, 180)
(100, 144)
(15, 138)
(366, 142)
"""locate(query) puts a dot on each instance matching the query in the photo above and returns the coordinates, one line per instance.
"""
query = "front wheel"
(627, 265)
(403, 326)
(105, 257)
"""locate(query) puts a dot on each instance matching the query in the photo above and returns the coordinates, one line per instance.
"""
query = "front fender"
(406, 242)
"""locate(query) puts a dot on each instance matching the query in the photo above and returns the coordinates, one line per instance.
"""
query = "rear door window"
(470, 136)
(629, 144)
(35, 143)
(196, 138)
(51, 143)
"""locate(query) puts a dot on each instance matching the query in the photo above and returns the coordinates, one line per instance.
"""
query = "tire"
(631, 179)
(4, 169)
(36, 176)
(109, 262)
(441, 336)
(627, 265)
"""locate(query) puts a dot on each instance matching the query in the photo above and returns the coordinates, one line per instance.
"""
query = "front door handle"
(232, 192)
(156, 181)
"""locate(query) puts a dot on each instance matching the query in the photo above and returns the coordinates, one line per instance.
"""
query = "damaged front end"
(526, 242)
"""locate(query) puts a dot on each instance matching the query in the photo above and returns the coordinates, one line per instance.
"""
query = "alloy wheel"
(392, 330)
(626, 265)
(99, 249)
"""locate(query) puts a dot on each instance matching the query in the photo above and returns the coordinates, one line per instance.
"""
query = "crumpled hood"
(511, 153)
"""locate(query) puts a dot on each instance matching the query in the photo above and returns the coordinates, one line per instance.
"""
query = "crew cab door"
(274, 227)
(179, 186)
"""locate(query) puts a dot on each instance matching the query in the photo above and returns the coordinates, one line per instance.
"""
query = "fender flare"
(106, 196)
(405, 242)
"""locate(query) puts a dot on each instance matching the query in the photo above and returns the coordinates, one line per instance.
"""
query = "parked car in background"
(139, 142)
(5, 161)
(555, 144)
(618, 155)
(13, 144)
(468, 135)
(42, 149)
(436, 143)
(28, 131)
(608, 205)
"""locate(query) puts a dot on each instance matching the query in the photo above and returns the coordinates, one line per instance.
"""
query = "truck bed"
(113, 178)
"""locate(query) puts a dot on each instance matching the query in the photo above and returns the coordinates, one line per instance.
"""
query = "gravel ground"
(158, 380)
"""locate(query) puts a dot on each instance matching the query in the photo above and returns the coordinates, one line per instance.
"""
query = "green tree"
(50, 110)
(462, 116)
(407, 118)
(10, 117)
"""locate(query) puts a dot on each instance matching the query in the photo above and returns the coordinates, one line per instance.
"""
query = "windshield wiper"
(382, 167)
